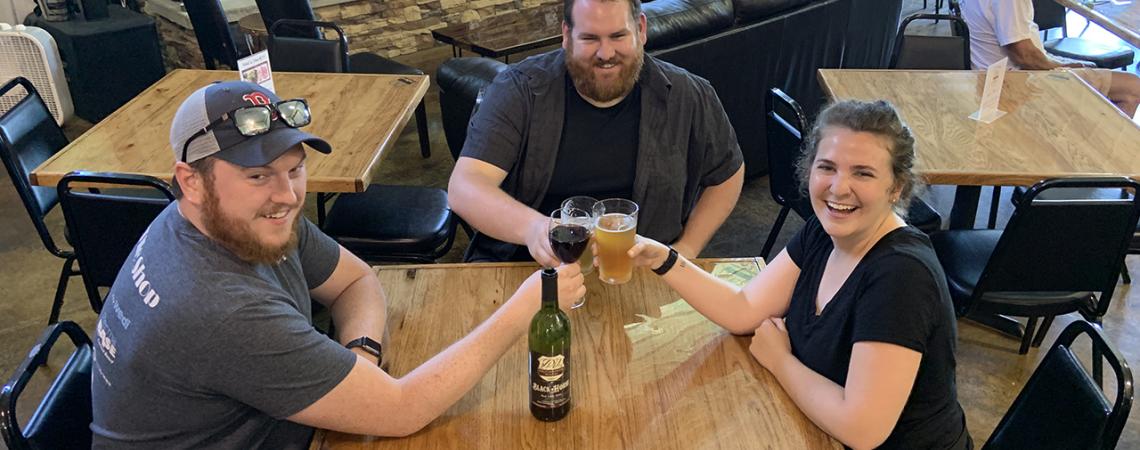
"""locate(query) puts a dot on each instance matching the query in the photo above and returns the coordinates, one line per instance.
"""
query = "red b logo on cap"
(256, 98)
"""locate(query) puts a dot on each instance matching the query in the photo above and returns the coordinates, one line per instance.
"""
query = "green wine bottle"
(549, 343)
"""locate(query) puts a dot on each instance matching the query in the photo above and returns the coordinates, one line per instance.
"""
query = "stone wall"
(385, 27)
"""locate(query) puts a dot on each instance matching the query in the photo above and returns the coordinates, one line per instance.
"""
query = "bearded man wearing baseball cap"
(206, 338)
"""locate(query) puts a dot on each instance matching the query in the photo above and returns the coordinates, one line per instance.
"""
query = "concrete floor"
(990, 372)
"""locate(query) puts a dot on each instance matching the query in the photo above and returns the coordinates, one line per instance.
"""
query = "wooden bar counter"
(648, 372)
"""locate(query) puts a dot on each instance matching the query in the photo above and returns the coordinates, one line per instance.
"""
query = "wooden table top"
(506, 34)
(648, 371)
(1122, 20)
(1055, 126)
(360, 115)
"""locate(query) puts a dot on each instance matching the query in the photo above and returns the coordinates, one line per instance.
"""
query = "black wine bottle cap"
(549, 285)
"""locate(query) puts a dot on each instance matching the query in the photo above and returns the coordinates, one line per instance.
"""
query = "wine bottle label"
(549, 380)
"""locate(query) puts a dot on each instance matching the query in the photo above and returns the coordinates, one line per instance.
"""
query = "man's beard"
(582, 73)
(239, 238)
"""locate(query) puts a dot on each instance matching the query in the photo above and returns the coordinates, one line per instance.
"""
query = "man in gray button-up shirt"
(687, 168)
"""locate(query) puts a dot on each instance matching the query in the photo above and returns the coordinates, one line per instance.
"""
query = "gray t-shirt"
(196, 348)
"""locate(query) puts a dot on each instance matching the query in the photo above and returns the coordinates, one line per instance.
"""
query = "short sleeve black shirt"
(897, 294)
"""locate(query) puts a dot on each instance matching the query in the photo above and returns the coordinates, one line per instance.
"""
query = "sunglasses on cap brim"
(256, 120)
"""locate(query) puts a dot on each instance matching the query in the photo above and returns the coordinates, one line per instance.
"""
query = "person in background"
(602, 119)
(1005, 28)
(206, 339)
(853, 318)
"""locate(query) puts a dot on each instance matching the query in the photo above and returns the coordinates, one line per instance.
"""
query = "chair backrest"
(786, 125)
(1064, 243)
(461, 83)
(104, 225)
(63, 418)
(1048, 14)
(274, 10)
(213, 32)
(28, 137)
(307, 54)
(1061, 406)
(932, 52)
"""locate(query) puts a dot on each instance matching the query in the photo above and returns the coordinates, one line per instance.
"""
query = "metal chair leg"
(61, 288)
(422, 129)
(774, 232)
(1027, 338)
(1124, 277)
(1042, 331)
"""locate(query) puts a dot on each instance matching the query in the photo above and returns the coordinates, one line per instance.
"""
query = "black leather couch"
(743, 47)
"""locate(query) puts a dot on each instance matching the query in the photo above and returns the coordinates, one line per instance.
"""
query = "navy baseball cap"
(224, 140)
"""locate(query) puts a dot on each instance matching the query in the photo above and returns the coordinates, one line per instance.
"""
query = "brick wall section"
(385, 27)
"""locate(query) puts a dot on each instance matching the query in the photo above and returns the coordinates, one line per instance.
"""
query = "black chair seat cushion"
(1103, 55)
(964, 254)
(63, 418)
(387, 220)
(922, 216)
(373, 63)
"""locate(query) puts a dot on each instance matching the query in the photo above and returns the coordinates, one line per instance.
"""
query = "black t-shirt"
(597, 155)
(897, 294)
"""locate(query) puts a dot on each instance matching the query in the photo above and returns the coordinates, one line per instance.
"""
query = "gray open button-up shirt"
(685, 142)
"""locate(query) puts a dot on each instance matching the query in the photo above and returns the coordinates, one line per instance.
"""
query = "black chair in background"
(1054, 257)
(786, 125)
(1048, 14)
(104, 226)
(62, 420)
(461, 83)
(214, 34)
(28, 137)
(932, 52)
(1061, 407)
(384, 223)
(301, 24)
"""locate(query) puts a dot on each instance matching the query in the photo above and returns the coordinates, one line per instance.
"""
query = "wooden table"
(1122, 20)
(505, 35)
(360, 115)
(1055, 126)
(648, 371)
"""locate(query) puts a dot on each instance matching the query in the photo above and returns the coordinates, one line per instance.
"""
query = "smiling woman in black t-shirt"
(853, 318)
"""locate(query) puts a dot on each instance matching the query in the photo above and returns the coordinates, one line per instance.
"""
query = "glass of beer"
(584, 203)
(614, 231)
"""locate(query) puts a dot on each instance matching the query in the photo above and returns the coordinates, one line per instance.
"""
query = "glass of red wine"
(570, 232)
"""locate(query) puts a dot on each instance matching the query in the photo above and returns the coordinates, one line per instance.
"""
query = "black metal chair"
(461, 84)
(786, 125)
(1061, 407)
(214, 34)
(1055, 256)
(932, 52)
(385, 222)
(274, 11)
(28, 137)
(1048, 14)
(62, 420)
(105, 225)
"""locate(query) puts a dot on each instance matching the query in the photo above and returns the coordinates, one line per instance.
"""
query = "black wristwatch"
(372, 347)
(668, 264)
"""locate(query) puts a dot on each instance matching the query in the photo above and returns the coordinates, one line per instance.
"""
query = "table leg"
(965, 208)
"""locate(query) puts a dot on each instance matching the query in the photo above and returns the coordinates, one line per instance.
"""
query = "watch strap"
(668, 264)
(368, 344)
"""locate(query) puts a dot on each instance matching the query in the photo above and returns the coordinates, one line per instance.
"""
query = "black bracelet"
(668, 264)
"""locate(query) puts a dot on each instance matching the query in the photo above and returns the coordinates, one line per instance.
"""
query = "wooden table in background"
(648, 372)
(360, 115)
(1055, 126)
(505, 35)
(1121, 20)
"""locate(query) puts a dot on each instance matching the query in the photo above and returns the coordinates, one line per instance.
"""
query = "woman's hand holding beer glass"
(648, 253)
